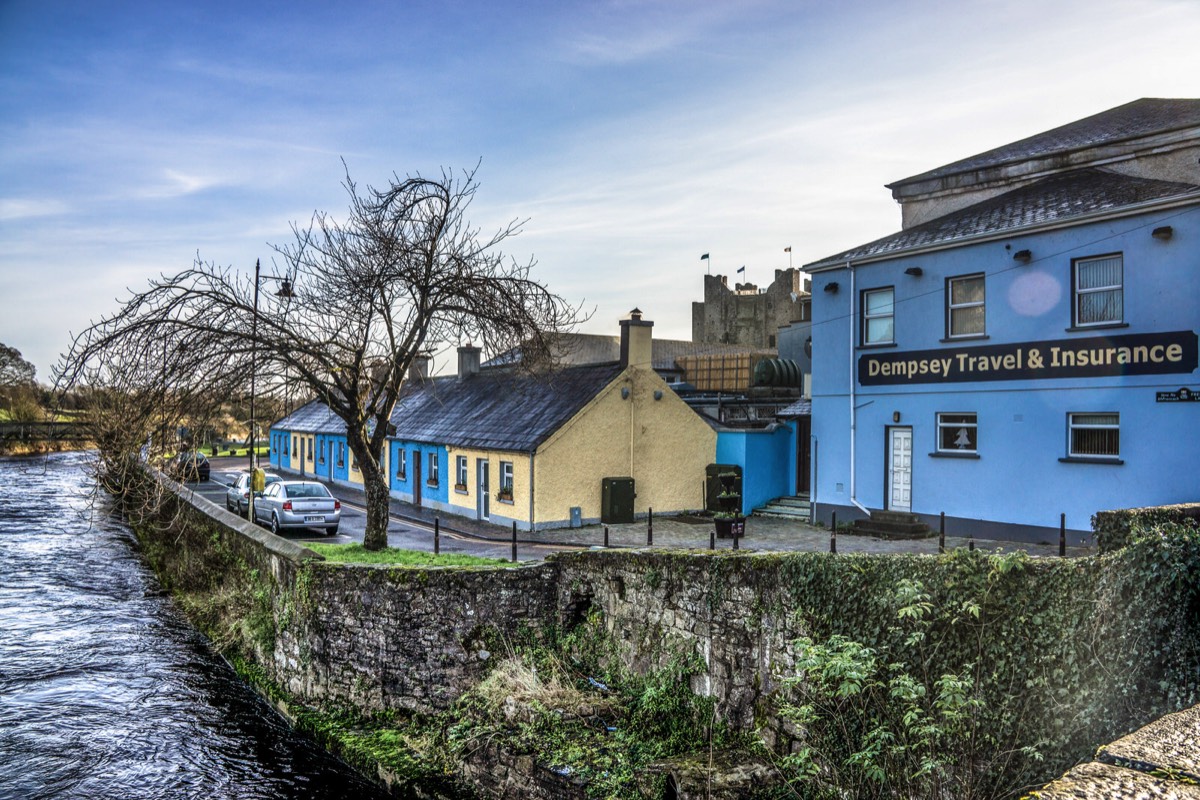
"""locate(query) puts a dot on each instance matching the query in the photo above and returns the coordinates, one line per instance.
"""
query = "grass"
(355, 553)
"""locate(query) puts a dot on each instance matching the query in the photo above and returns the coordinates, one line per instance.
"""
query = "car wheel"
(331, 531)
(274, 524)
(228, 505)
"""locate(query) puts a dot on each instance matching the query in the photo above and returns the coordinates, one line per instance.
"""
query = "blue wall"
(431, 496)
(1018, 478)
(768, 461)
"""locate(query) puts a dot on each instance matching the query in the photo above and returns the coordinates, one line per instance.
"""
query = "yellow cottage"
(546, 450)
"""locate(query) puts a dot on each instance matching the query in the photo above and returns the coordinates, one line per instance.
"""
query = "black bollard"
(1062, 535)
(942, 533)
(971, 545)
(514, 553)
(650, 528)
(833, 522)
(734, 527)
(437, 536)
(606, 536)
(712, 538)
(833, 541)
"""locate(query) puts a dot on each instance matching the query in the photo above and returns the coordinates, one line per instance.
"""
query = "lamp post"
(285, 291)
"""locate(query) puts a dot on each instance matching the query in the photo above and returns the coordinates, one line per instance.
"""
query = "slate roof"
(1052, 199)
(591, 348)
(313, 417)
(497, 409)
(1145, 117)
(800, 408)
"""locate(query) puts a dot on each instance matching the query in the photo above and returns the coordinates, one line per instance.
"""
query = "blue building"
(1026, 346)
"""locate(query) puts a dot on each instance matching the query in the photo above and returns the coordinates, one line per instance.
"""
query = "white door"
(482, 499)
(900, 469)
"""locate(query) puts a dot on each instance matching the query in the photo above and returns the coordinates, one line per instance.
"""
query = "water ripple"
(105, 691)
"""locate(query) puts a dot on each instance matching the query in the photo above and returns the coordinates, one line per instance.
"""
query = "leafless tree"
(404, 274)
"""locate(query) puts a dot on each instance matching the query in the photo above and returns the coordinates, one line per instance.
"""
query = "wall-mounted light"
(658, 394)
(916, 272)
(1024, 256)
(895, 416)
(1164, 233)
(831, 287)
(624, 392)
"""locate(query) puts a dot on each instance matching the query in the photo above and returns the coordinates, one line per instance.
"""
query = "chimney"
(468, 361)
(636, 340)
(418, 370)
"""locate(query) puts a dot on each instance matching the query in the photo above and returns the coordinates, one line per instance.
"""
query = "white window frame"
(952, 306)
(432, 478)
(461, 470)
(401, 464)
(1077, 422)
(868, 317)
(943, 424)
(1078, 294)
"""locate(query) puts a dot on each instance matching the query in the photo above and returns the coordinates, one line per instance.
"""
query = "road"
(402, 533)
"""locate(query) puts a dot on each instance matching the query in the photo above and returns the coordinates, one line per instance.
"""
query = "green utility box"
(616, 500)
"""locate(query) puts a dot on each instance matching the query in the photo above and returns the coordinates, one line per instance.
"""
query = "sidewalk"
(762, 533)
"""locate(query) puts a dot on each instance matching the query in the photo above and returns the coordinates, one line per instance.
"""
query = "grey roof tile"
(1144, 117)
(1051, 199)
(497, 409)
(592, 348)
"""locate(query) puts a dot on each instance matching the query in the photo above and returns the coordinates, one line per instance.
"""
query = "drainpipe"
(855, 321)
(531, 452)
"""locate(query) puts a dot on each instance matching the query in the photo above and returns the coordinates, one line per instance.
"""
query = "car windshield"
(307, 490)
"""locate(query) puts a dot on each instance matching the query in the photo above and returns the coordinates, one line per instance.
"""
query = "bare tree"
(404, 274)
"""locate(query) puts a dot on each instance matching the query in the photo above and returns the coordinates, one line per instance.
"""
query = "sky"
(634, 136)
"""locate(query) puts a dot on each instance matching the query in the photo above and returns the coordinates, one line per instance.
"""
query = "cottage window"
(965, 306)
(957, 433)
(402, 464)
(432, 479)
(341, 454)
(878, 314)
(506, 480)
(1092, 435)
(460, 482)
(1099, 291)
(296, 447)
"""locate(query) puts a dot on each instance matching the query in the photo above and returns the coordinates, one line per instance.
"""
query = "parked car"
(189, 465)
(298, 504)
(237, 497)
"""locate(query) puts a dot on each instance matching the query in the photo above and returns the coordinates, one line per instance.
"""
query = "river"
(105, 690)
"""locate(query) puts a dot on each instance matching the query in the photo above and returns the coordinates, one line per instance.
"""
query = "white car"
(237, 497)
(298, 504)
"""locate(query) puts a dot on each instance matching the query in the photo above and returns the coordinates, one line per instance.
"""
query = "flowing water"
(105, 690)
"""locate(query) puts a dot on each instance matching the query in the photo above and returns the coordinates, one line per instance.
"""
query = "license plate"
(312, 518)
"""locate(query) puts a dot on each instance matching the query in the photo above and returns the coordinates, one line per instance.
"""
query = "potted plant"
(505, 493)
(729, 519)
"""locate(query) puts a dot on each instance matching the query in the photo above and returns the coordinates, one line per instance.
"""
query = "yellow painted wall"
(352, 471)
(662, 444)
(466, 499)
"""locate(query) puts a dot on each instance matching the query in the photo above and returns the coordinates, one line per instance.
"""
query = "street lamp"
(285, 291)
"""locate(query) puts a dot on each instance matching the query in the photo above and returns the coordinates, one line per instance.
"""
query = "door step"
(892, 525)
(797, 507)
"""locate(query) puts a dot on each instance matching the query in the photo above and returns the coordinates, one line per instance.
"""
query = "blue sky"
(634, 136)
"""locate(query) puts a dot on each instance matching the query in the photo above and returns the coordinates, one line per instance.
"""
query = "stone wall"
(745, 315)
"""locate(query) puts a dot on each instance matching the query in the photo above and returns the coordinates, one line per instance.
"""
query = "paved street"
(412, 528)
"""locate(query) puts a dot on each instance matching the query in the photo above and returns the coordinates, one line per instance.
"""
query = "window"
(878, 312)
(461, 469)
(285, 444)
(506, 481)
(965, 306)
(320, 451)
(295, 448)
(341, 454)
(1099, 291)
(432, 480)
(957, 433)
(1093, 435)
(402, 464)
(274, 444)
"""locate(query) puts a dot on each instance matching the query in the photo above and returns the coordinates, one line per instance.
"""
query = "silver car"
(298, 504)
(237, 496)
